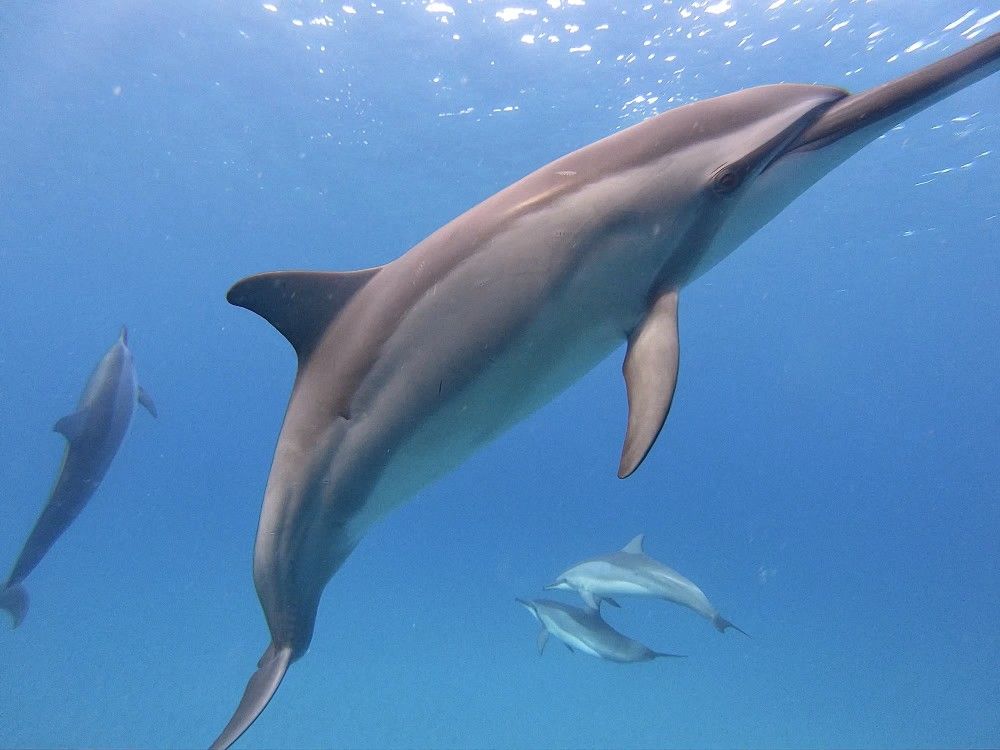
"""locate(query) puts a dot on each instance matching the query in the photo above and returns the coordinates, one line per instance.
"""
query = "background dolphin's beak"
(871, 112)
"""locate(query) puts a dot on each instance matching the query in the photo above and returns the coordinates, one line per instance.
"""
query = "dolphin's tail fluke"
(721, 624)
(14, 599)
(263, 683)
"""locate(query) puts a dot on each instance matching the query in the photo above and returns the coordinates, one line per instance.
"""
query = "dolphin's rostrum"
(93, 434)
(586, 631)
(631, 572)
(406, 369)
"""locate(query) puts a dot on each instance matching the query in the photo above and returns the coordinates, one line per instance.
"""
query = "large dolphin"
(630, 571)
(406, 369)
(93, 433)
(585, 630)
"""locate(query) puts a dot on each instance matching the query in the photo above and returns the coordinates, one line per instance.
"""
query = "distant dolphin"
(630, 571)
(406, 369)
(94, 431)
(585, 630)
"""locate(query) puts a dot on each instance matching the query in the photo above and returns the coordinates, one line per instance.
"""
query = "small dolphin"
(94, 432)
(585, 630)
(630, 571)
(406, 369)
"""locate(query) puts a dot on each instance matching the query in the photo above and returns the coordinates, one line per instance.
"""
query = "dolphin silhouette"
(94, 432)
(406, 369)
(586, 631)
(630, 571)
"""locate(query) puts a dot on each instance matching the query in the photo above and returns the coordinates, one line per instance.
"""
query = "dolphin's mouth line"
(873, 110)
(842, 118)
(793, 139)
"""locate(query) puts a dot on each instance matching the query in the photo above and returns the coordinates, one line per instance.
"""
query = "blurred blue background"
(829, 474)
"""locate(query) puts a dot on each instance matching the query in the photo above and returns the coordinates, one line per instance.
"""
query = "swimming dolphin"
(585, 630)
(94, 432)
(406, 369)
(630, 571)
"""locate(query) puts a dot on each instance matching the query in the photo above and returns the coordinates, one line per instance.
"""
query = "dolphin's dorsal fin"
(635, 546)
(72, 425)
(300, 304)
(650, 378)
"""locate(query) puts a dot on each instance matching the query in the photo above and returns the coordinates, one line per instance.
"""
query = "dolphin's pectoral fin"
(300, 304)
(650, 378)
(271, 669)
(147, 401)
(543, 638)
(590, 600)
(611, 601)
(72, 425)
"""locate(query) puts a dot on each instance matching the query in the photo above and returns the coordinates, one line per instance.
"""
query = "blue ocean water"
(829, 474)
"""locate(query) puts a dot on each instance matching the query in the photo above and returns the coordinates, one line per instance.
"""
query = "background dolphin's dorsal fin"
(635, 546)
(72, 425)
(146, 400)
(300, 304)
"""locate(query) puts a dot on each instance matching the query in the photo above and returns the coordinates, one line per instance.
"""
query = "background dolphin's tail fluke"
(263, 683)
(14, 599)
(721, 623)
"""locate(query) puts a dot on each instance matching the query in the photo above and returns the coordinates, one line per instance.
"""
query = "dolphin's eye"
(726, 180)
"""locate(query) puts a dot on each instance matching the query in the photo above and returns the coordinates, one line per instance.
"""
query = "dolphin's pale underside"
(405, 369)
(93, 433)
